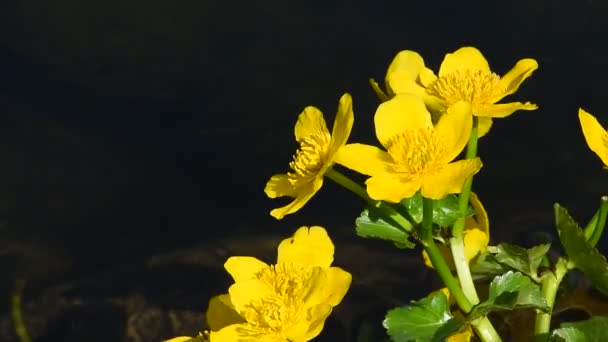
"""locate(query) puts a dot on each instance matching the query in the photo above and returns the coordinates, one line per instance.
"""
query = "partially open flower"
(313, 159)
(464, 75)
(595, 135)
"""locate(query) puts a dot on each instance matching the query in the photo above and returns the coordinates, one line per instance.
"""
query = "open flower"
(464, 75)
(288, 301)
(313, 159)
(418, 155)
(595, 135)
(476, 235)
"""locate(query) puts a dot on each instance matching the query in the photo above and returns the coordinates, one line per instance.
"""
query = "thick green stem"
(485, 330)
(407, 223)
(601, 222)
(549, 286)
(437, 259)
(457, 241)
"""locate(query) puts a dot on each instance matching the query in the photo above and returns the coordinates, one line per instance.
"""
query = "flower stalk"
(549, 286)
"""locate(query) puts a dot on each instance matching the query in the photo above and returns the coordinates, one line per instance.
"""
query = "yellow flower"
(595, 135)
(313, 159)
(419, 155)
(464, 75)
(476, 235)
(288, 301)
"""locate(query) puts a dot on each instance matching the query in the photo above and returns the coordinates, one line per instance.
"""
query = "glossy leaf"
(486, 266)
(371, 226)
(522, 259)
(584, 256)
(510, 291)
(428, 319)
(445, 210)
(594, 329)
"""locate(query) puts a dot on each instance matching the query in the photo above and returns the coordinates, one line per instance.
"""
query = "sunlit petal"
(511, 81)
(403, 112)
(317, 316)
(338, 282)
(310, 122)
(308, 246)
(239, 332)
(595, 135)
(243, 293)
(243, 268)
(343, 123)
(403, 72)
(450, 179)
(465, 58)
(481, 216)
(365, 159)
(304, 194)
(475, 241)
(220, 313)
(391, 187)
(279, 186)
(454, 128)
(502, 110)
(483, 126)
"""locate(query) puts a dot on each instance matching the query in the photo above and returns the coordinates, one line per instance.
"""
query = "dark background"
(132, 127)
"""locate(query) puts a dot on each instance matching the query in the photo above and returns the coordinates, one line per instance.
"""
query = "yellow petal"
(180, 339)
(365, 159)
(246, 333)
(403, 112)
(279, 186)
(220, 313)
(343, 123)
(511, 81)
(315, 321)
(403, 72)
(244, 268)
(426, 77)
(310, 122)
(338, 282)
(475, 241)
(463, 335)
(483, 126)
(308, 246)
(502, 110)
(247, 291)
(391, 187)
(595, 135)
(481, 216)
(303, 195)
(465, 58)
(450, 179)
(454, 128)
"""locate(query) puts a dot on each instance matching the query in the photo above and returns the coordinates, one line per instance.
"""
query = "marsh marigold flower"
(464, 75)
(288, 301)
(418, 155)
(476, 235)
(595, 135)
(314, 157)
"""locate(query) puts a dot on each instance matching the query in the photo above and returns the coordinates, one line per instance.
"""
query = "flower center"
(309, 158)
(473, 86)
(278, 312)
(417, 151)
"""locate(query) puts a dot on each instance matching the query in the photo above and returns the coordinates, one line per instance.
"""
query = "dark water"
(130, 128)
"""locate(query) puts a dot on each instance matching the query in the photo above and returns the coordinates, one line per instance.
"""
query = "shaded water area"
(136, 138)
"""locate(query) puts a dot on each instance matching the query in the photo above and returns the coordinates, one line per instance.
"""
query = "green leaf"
(428, 319)
(486, 266)
(445, 210)
(370, 226)
(521, 259)
(584, 256)
(593, 329)
(510, 291)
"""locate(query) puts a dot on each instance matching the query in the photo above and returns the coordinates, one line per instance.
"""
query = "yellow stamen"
(416, 152)
(473, 86)
(309, 158)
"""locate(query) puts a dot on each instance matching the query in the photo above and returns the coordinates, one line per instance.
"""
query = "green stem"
(437, 259)
(16, 312)
(485, 330)
(590, 227)
(457, 241)
(549, 286)
(405, 222)
(601, 222)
